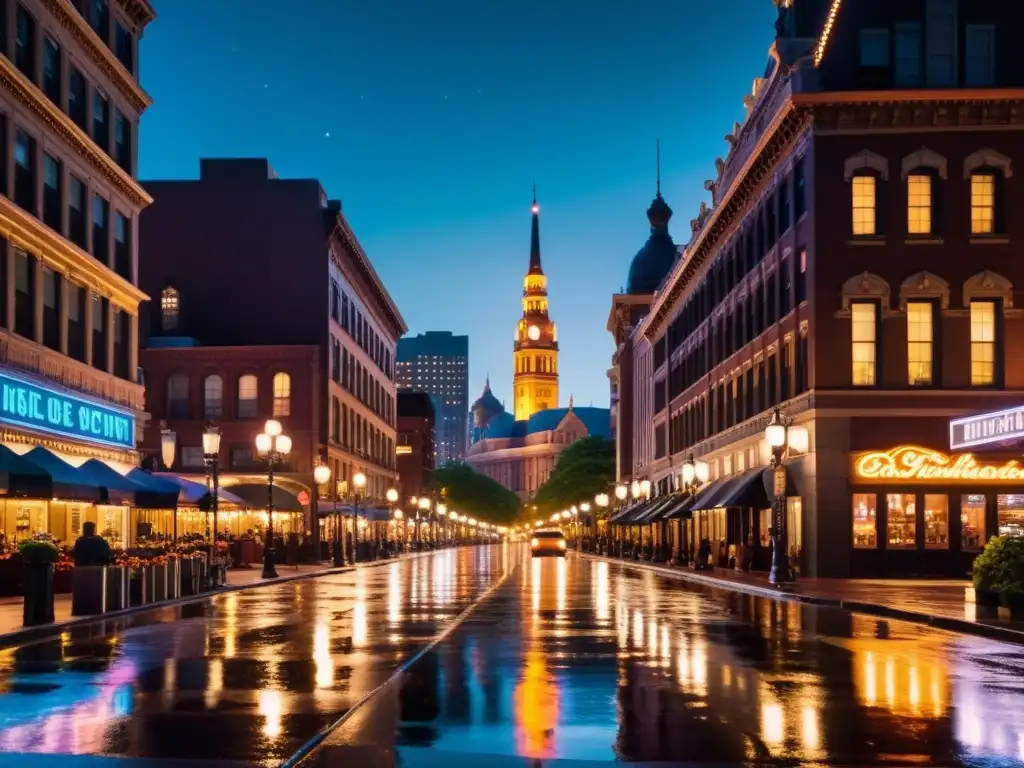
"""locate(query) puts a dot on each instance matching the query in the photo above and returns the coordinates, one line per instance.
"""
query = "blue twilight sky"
(431, 119)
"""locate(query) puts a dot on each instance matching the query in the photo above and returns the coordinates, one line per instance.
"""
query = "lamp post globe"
(273, 446)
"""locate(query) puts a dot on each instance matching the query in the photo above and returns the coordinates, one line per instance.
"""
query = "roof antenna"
(659, 166)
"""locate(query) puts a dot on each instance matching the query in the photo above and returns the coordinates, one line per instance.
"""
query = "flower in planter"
(38, 552)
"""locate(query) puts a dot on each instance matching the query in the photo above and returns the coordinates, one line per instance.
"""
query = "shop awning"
(156, 485)
(708, 498)
(254, 495)
(630, 515)
(120, 489)
(677, 508)
(66, 482)
(656, 507)
(747, 489)
(190, 493)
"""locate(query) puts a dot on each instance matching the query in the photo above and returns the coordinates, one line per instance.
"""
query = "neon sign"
(32, 406)
(912, 464)
(986, 428)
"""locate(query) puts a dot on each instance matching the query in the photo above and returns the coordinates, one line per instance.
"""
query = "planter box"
(173, 579)
(89, 590)
(62, 581)
(159, 581)
(189, 576)
(37, 608)
(140, 586)
(117, 588)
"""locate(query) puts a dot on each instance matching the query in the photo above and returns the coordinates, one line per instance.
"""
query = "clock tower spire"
(535, 351)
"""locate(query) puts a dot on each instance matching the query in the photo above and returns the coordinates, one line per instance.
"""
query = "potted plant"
(999, 575)
(39, 558)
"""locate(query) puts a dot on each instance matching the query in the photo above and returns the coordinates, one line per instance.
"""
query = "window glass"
(983, 342)
(908, 54)
(983, 203)
(936, 521)
(282, 394)
(248, 391)
(919, 342)
(177, 396)
(980, 61)
(1011, 514)
(863, 317)
(51, 69)
(794, 530)
(902, 523)
(919, 204)
(865, 521)
(22, 279)
(942, 31)
(972, 521)
(169, 308)
(864, 205)
(49, 288)
(213, 396)
(874, 47)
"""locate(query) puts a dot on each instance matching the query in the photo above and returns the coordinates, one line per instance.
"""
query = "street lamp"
(358, 483)
(273, 446)
(168, 447)
(695, 474)
(645, 488)
(781, 436)
(211, 457)
(442, 511)
(322, 476)
(423, 505)
(634, 489)
(602, 502)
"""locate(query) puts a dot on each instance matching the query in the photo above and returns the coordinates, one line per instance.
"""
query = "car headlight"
(561, 543)
(534, 542)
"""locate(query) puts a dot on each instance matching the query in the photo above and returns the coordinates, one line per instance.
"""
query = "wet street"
(565, 660)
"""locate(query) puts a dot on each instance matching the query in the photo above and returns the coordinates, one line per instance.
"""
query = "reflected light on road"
(773, 724)
(535, 585)
(603, 598)
(322, 655)
(214, 683)
(359, 616)
(394, 594)
(230, 625)
(638, 629)
(271, 708)
(809, 733)
(536, 704)
(561, 584)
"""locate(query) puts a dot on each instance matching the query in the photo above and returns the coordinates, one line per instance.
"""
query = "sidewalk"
(947, 604)
(12, 631)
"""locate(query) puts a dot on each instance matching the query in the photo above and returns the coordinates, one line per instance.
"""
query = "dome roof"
(654, 261)
(486, 407)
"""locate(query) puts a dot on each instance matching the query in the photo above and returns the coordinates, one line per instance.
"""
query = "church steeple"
(535, 268)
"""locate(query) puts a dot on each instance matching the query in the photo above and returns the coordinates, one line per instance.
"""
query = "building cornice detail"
(33, 99)
(101, 55)
(139, 11)
(25, 231)
(390, 311)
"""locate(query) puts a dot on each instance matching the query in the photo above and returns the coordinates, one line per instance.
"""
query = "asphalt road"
(563, 661)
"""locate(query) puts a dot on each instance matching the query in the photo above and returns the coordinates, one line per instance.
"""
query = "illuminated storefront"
(917, 510)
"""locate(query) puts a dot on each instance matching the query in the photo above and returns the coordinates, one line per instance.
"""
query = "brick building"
(417, 423)
(857, 269)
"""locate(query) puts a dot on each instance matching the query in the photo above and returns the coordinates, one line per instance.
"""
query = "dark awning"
(679, 508)
(150, 492)
(626, 516)
(255, 496)
(747, 489)
(24, 479)
(710, 496)
(66, 482)
(653, 512)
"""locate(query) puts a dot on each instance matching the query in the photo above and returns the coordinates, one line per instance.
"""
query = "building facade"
(437, 362)
(70, 104)
(213, 248)
(535, 350)
(416, 440)
(856, 270)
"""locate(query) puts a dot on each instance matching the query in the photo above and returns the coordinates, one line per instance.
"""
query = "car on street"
(548, 543)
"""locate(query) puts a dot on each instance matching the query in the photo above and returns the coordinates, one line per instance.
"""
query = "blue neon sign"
(32, 406)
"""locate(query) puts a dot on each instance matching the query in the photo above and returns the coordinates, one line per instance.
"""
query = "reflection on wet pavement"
(588, 661)
(246, 676)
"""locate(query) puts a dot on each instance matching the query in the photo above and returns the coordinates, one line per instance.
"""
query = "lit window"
(248, 393)
(919, 204)
(936, 521)
(864, 205)
(983, 204)
(983, 342)
(902, 521)
(169, 307)
(282, 394)
(919, 342)
(865, 521)
(864, 343)
(972, 522)
(213, 397)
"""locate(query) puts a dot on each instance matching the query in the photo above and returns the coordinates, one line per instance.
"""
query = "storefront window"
(865, 517)
(766, 527)
(902, 508)
(936, 521)
(1011, 514)
(972, 521)
(112, 523)
(24, 519)
(794, 530)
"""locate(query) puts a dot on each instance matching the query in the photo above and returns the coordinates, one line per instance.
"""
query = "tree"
(585, 469)
(469, 492)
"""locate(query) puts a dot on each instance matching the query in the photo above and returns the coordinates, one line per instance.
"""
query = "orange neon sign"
(912, 464)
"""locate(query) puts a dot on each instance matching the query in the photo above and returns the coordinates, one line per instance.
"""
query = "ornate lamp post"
(695, 474)
(168, 449)
(358, 483)
(442, 512)
(273, 446)
(211, 457)
(322, 476)
(602, 502)
(781, 436)
(422, 511)
(392, 496)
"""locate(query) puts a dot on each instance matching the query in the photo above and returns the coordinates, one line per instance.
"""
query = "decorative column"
(62, 315)
(37, 301)
(108, 320)
(65, 208)
(11, 272)
(87, 322)
(133, 349)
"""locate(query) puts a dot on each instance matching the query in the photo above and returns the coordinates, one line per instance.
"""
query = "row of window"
(985, 171)
(360, 437)
(906, 527)
(747, 249)
(90, 224)
(247, 396)
(115, 34)
(915, 60)
(83, 309)
(70, 92)
(350, 318)
(986, 340)
(349, 372)
(530, 364)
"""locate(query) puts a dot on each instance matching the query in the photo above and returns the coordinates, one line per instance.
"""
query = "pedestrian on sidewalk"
(92, 549)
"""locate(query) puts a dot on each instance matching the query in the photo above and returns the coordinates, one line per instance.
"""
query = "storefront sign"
(911, 464)
(29, 405)
(986, 428)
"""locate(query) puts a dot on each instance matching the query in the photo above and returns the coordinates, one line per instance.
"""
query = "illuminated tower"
(535, 353)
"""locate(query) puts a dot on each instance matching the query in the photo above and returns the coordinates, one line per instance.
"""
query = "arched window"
(177, 396)
(864, 171)
(248, 396)
(213, 397)
(987, 171)
(169, 307)
(282, 394)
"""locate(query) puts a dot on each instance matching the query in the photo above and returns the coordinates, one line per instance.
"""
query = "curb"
(20, 636)
(960, 626)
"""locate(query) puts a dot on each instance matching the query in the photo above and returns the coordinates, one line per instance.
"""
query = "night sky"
(431, 119)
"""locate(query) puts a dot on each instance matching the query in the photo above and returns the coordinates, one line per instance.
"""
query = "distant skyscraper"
(437, 363)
